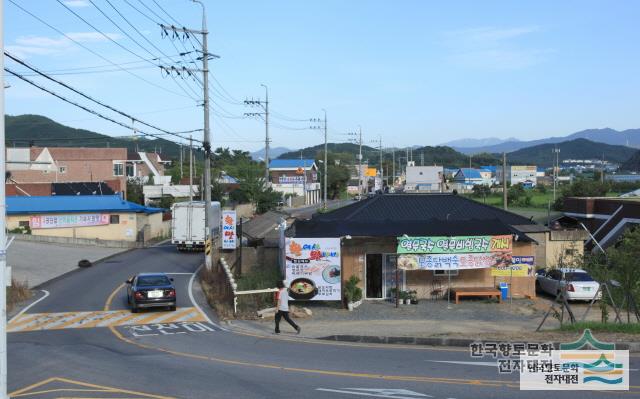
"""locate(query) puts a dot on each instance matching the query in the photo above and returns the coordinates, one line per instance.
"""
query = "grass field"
(538, 200)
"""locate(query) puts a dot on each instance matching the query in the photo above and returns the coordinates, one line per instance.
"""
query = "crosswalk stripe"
(179, 316)
(113, 318)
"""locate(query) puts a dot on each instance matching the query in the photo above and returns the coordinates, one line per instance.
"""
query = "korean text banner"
(58, 221)
(521, 266)
(228, 229)
(453, 261)
(454, 245)
(313, 268)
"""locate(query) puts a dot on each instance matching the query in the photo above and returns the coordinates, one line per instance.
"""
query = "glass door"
(390, 275)
(373, 276)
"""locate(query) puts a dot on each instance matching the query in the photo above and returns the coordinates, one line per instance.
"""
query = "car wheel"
(172, 308)
(538, 288)
(134, 309)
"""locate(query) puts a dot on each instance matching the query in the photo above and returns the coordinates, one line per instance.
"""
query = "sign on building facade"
(229, 229)
(61, 221)
(454, 253)
(454, 245)
(313, 270)
(521, 266)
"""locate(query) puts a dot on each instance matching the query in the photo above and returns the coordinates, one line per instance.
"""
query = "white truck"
(188, 228)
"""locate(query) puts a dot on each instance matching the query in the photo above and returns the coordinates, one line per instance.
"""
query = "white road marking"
(378, 393)
(195, 304)
(46, 294)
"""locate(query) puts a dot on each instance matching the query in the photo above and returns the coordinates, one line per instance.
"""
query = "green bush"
(352, 292)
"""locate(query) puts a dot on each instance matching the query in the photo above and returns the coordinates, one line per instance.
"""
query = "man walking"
(283, 308)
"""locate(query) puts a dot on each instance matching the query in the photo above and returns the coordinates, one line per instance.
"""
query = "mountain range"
(38, 130)
(629, 138)
(274, 152)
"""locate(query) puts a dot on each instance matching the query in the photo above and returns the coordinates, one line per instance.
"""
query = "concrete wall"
(132, 227)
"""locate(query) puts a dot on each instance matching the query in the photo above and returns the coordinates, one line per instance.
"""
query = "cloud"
(493, 48)
(25, 46)
(76, 3)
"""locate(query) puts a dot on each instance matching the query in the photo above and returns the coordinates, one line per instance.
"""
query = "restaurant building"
(430, 241)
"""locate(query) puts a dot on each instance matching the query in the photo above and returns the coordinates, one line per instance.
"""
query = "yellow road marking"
(179, 315)
(25, 319)
(64, 390)
(93, 388)
(102, 320)
(74, 320)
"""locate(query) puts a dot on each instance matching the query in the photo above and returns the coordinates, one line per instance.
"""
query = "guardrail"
(234, 286)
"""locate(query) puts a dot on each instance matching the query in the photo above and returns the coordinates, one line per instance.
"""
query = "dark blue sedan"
(151, 290)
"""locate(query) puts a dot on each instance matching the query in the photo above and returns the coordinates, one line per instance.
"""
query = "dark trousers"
(282, 314)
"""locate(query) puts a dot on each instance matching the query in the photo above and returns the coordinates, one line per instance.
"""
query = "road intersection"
(81, 341)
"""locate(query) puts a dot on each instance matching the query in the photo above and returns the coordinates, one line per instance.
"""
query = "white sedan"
(579, 284)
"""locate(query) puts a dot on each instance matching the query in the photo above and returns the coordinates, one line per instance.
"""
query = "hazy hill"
(428, 155)
(37, 130)
(542, 155)
(632, 164)
(630, 137)
(274, 153)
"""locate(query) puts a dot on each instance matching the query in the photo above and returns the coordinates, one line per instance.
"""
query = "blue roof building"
(19, 205)
(74, 218)
(470, 177)
(285, 164)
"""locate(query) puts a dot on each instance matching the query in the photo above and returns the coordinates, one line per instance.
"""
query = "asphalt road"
(199, 359)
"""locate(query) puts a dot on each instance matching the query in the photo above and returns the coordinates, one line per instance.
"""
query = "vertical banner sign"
(228, 229)
(313, 268)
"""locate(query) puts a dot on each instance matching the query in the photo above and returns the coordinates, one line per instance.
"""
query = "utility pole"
(206, 142)
(324, 127)
(556, 166)
(504, 180)
(181, 161)
(393, 163)
(191, 170)
(358, 141)
(3, 232)
(265, 115)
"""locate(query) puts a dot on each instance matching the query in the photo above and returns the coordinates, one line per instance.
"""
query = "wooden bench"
(476, 291)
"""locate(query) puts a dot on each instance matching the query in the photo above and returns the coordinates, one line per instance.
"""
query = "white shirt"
(283, 300)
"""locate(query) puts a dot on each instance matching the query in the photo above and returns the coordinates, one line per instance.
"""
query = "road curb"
(443, 341)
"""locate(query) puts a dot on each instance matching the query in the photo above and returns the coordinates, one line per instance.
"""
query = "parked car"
(579, 284)
(151, 290)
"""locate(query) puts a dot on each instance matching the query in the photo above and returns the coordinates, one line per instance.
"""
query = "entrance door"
(373, 276)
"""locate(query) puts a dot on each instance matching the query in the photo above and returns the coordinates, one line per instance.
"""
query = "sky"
(410, 72)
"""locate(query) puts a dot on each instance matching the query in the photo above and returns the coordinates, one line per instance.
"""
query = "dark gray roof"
(264, 225)
(421, 207)
(391, 215)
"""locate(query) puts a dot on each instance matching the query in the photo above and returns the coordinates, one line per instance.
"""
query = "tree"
(481, 190)
(623, 259)
(338, 173)
(134, 191)
(581, 188)
(518, 196)
(150, 180)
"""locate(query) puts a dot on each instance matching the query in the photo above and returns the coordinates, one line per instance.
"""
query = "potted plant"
(352, 293)
(413, 296)
(404, 297)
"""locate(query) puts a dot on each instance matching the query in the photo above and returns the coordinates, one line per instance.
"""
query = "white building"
(519, 174)
(424, 178)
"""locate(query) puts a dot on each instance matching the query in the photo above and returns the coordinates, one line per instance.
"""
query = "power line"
(131, 117)
(119, 44)
(82, 106)
(164, 11)
(96, 53)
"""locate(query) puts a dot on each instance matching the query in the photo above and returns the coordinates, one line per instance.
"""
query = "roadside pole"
(3, 232)
(324, 206)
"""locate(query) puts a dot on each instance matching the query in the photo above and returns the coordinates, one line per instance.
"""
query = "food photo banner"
(454, 261)
(521, 266)
(313, 268)
(454, 245)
